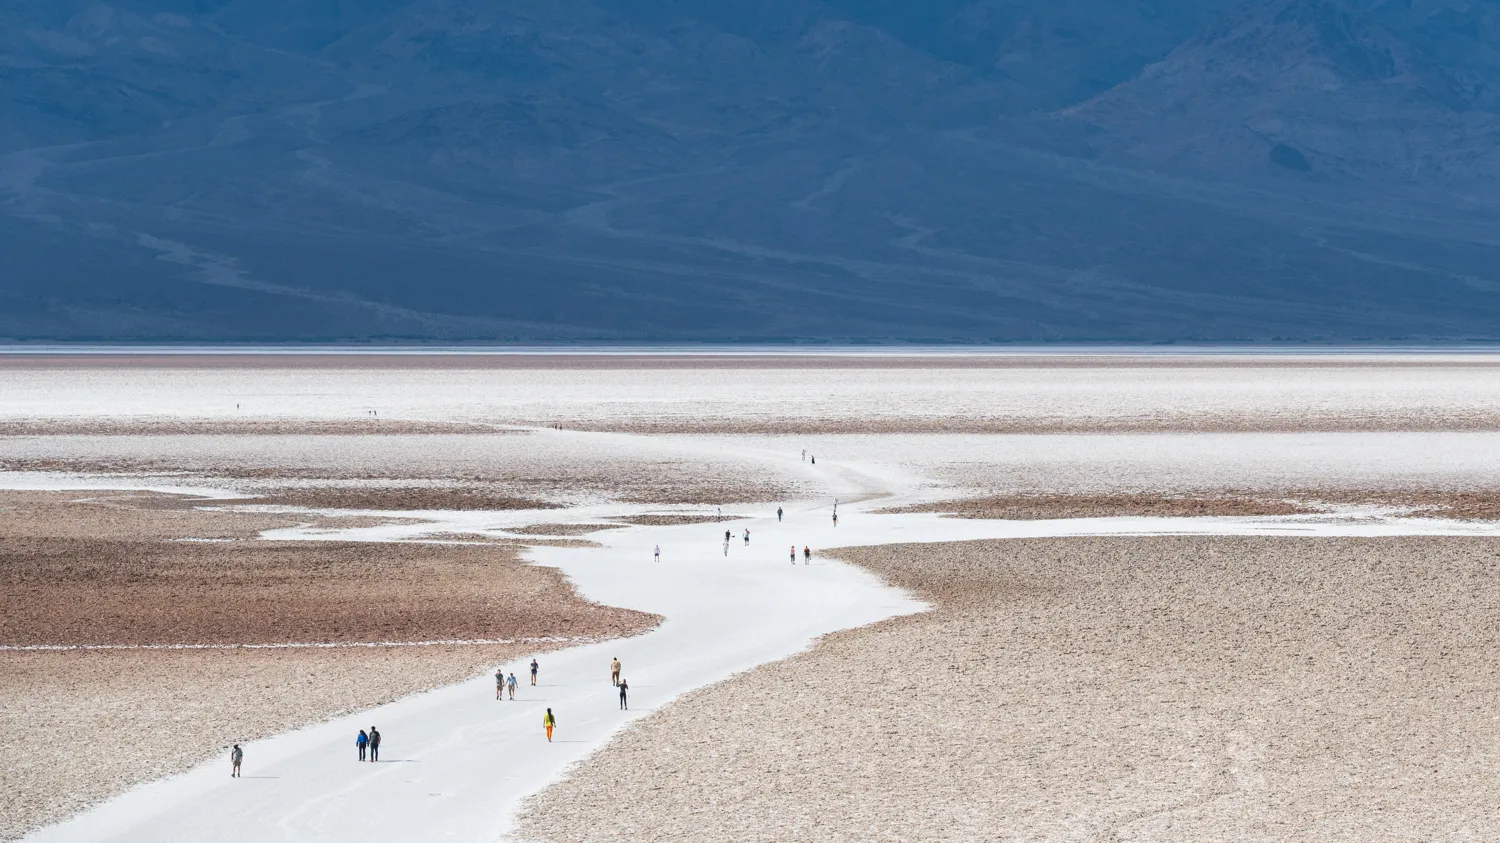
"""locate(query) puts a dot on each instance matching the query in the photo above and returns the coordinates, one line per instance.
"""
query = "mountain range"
(723, 170)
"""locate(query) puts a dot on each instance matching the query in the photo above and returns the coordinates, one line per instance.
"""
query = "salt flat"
(460, 763)
(808, 394)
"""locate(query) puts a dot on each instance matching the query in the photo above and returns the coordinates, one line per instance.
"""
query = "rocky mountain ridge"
(775, 171)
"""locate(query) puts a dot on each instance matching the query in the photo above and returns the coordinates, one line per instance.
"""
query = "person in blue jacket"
(362, 741)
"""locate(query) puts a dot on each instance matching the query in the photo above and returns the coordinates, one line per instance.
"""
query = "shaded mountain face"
(781, 170)
(1318, 87)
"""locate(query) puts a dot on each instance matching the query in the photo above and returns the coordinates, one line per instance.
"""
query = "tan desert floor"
(1018, 507)
(1462, 505)
(77, 726)
(1146, 689)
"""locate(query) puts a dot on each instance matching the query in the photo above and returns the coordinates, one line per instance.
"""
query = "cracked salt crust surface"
(1149, 688)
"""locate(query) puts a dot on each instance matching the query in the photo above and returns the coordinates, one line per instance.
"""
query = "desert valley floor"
(1066, 597)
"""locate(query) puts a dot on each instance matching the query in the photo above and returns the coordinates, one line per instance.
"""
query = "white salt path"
(456, 764)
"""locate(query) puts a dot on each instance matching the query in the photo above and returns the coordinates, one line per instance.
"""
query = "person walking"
(814, 460)
(658, 553)
(624, 705)
(718, 513)
(499, 682)
(806, 554)
(510, 685)
(747, 537)
(726, 547)
(374, 744)
(794, 554)
(835, 518)
(727, 536)
(534, 668)
(614, 671)
(548, 721)
(236, 755)
(361, 742)
(804, 455)
(778, 515)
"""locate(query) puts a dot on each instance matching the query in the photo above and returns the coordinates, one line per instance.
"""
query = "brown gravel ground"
(1022, 507)
(1237, 422)
(1121, 689)
(108, 571)
(670, 519)
(419, 497)
(1464, 505)
(119, 591)
(125, 515)
(1475, 505)
(81, 568)
(562, 529)
(278, 427)
(1173, 422)
(656, 482)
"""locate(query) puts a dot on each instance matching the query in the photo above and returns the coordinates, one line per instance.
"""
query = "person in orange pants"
(548, 721)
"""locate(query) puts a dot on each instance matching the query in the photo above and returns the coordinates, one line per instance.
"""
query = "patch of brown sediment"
(121, 591)
(485, 485)
(671, 519)
(1185, 422)
(561, 529)
(213, 427)
(735, 492)
(1471, 505)
(501, 541)
(1031, 507)
(1162, 688)
(105, 514)
(78, 727)
(409, 498)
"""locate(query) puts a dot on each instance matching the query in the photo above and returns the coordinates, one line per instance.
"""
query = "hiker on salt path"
(835, 518)
(794, 554)
(814, 460)
(658, 553)
(624, 706)
(510, 685)
(361, 742)
(499, 682)
(548, 721)
(374, 744)
(747, 537)
(806, 554)
(778, 515)
(727, 534)
(236, 755)
(534, 668)
(614, 671)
